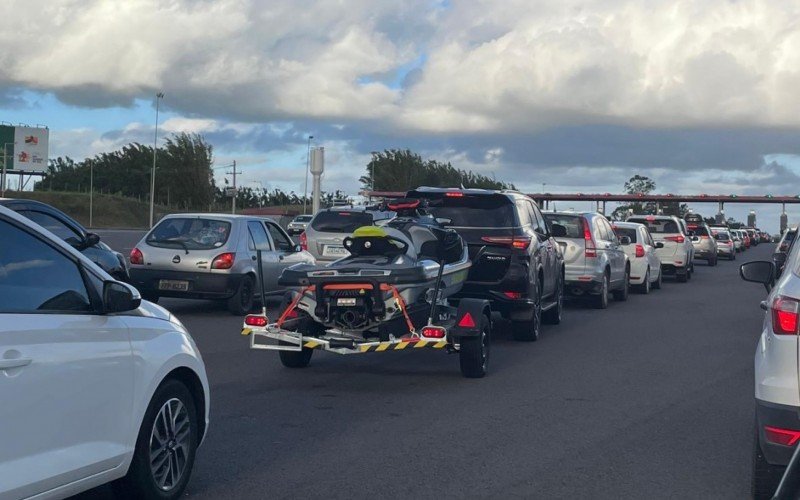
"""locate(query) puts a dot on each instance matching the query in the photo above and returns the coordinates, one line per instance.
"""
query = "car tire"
(553, 315)
(682, 277)
(657, 283)
(242, 301)
(528, 330)
(473, 354)
(295, 359)
(622, 294)
(712, 262)
(179, 446)
(766, 476)
(644, 288)
(733, 256)
(601, 301)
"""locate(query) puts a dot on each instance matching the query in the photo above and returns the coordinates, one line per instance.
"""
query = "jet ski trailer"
(394, 292)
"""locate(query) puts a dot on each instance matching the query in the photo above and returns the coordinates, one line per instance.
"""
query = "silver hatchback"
(324, 235)
(213, 256)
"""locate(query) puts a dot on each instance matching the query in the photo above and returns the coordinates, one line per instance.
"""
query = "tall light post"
(5, 166)
(91, 194)
(372, 173)
(308, 167)
(159, 96)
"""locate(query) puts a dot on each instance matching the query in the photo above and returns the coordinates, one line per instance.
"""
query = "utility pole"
(233, 198)
(5, 167)
(308, 167)
(91, 193)
(159, 96)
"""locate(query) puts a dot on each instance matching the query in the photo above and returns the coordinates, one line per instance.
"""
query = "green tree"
(636, 185)
(402, 170)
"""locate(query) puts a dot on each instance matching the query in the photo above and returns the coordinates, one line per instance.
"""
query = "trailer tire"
(295, 359)
(474, 351)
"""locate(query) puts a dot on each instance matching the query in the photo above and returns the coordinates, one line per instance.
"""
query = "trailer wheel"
(474, 351)
(295, 359)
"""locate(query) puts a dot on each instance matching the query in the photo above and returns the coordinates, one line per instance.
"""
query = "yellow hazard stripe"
(398, 346)
(401, 345)
(246, 331)
(420, 343)
(312, 344)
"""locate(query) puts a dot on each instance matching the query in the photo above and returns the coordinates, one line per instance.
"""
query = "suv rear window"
(302, 218)
(722, 236)
(340, 222)
(626, 231)
(573, 223)
(474, 211)
(658, 225)
(698, 230)
(190, 233)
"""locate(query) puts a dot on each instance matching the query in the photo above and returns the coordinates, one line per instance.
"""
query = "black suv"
(516, 263)
(71, 231)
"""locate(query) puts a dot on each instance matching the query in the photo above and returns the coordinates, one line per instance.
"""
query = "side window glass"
(282, 242)
(540, 221)
(524, 214)
(35, 277)
(259, 235)
(599, 230)
(53, 225)
(612, 236)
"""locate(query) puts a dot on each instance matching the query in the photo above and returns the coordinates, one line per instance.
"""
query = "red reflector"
(454, 194)
(346, 214)
(785, 313)
(223, 261)
(466, 321)
(513, 295)
(292, 314)
(136, 256)
(786, 437)
(436, 332)
(639, 251)
(676, 239)
(518, 242)
(255, 320)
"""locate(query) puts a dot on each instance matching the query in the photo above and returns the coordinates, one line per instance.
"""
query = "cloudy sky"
(702, 96)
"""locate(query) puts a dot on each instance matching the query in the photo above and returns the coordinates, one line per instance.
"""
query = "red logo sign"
(31, 139)
(23, 157)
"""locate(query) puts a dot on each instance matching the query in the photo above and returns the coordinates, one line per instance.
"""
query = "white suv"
(777, 393)
(677, 252)
(95, 384)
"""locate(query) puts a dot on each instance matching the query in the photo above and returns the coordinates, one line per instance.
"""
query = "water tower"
(317, 167)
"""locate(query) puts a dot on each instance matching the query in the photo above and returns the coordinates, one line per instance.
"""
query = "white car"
(96, 385)
(677, 252)
(641, 251)
(777, 391)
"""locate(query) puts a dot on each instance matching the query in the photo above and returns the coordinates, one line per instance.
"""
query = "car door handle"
(7, 364)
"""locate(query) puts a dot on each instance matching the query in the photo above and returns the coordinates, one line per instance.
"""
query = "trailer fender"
(469, 316)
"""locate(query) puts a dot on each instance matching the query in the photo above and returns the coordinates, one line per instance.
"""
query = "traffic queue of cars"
(138, 406)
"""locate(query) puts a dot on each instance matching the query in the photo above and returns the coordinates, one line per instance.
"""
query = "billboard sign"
(31, 149)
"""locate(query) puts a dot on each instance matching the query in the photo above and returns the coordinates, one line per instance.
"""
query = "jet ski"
(391, 282)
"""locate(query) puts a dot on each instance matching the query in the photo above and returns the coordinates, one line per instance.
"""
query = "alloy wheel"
(169, 444)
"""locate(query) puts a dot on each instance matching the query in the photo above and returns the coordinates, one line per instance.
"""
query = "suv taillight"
(519, 242)
(588, 241)
(785, 312)
(303, 241)
(639, 251)
(137, 257)
(223, 261)
(676, 239)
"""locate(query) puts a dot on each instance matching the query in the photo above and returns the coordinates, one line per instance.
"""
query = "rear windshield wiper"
(172, 240)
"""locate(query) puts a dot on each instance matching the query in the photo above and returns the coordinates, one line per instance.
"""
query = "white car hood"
(150, 310)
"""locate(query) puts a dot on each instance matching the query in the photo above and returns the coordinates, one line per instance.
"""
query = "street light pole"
(308, 166)
(159, 96)
(91, 194)
(5, 166)
(372, 173)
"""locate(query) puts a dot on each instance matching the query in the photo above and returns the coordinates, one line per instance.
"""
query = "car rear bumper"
(670, 268)
(782, 417)
(703, 254)
(725, 250)
(201, 285)
(512, 309)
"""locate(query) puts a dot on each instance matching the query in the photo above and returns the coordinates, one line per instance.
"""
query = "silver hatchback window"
(189, 232)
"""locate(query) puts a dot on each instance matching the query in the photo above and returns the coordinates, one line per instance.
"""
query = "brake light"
(255, 320)
(518, 242)
(676, 239)
(454, 194)
(786, 437)
(303, 241)
(785, 312)
(703, 237)
(588, 241)
(513, 295)
(639, 251)
(466, 321)
(436, 332)
(223, 261)
(136, 256)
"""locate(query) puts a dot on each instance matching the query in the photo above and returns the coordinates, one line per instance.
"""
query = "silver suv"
(677, 253)
(324, 234)
(212, 256)
(705, 246)
(595, 261)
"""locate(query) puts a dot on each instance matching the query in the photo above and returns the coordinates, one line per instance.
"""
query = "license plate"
(346, 302)
(334, 251)
(174, 285)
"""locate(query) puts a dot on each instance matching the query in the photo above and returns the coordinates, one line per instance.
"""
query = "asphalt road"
(652, 398)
